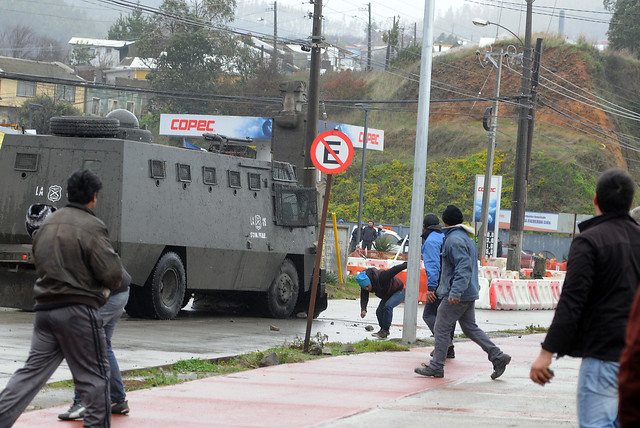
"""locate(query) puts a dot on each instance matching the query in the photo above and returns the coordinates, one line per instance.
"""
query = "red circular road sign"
(331, 152)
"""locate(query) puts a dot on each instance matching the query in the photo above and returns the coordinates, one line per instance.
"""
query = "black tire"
(168, 286)
(76, 126)
(282, 295)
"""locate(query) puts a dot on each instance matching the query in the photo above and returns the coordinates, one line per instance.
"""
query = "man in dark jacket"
(603, 272)
(388, 288)
(76, 267)
(369, 234)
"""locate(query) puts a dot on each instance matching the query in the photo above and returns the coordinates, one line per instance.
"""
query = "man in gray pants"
(76, 267)
(459, 289)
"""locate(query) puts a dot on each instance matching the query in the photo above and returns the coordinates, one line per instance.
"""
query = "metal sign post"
(331, 152)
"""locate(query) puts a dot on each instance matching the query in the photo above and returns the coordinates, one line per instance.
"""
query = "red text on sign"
(188, 125)
(372, 138)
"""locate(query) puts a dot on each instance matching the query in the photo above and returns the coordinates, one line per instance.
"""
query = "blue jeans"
(598, 393)
(385, 309)
(110, 314)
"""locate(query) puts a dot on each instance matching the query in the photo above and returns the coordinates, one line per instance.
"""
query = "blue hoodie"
(459, 272)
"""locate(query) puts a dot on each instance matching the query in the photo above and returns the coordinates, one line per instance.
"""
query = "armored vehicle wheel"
(168, 286)
(283, 292)
(76, 126)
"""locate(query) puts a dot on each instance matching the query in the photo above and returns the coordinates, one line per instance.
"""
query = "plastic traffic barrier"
(534, 294)
(484, 300)
(502, 295)
(521, 293)
(556, 290)
(545, 294)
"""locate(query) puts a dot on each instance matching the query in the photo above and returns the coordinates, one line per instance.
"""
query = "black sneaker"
(76, 411)
(121, 408)
(425, 370)
(382, 334)
(500, 366)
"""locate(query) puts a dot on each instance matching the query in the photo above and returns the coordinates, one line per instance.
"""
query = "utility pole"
(519, 200)
(534, 94)
(419, 177)
(314, 83)
(415, 33)
(275, 34)
(488, 172)
(369, 41)
(366, 109)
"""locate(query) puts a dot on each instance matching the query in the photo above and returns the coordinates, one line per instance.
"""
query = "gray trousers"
(465, 314)
(74, 333)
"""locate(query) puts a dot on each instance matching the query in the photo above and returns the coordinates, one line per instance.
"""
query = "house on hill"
(105, 53)
(21, 79)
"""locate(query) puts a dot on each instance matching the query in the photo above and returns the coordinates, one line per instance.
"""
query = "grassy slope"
(564, 163)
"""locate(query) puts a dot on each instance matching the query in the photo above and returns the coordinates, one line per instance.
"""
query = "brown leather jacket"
(74, 259)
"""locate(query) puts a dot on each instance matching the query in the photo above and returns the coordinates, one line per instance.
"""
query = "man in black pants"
(369, 234)
(76, 267)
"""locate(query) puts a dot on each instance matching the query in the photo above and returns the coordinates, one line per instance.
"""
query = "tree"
(193, 52)
(43, 108)
(624, 29)
(82, 55)
(391, 39)
(20, 41)
(130, 27)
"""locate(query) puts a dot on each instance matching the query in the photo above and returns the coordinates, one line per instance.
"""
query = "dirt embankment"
(565, 92)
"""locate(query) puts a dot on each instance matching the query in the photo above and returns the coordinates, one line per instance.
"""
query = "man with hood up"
(459, 289)
(432, 238)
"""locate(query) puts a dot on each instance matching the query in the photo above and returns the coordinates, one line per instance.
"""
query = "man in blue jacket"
(459, 289)
(433, 237)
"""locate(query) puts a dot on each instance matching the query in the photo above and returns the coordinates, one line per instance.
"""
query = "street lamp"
(479, 22)
(366, 109)
(519, 199)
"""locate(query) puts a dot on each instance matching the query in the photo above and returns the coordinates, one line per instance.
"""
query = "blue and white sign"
(194, 125)
(355, 134)
(494, 208)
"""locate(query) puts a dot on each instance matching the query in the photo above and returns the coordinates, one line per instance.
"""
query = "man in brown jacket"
(77, 267)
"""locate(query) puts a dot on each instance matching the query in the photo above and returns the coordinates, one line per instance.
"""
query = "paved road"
(142, 343)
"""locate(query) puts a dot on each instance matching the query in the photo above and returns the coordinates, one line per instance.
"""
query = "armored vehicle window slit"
(26, 162)
(209, 176)
(254, 181)
(283, 171)
(157, 169)
(295, 206)
(183, 172)
(234, 179)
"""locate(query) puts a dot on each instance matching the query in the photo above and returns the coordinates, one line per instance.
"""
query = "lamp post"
(366, 109)
(519, 199)
(479, 22)
(488, 172)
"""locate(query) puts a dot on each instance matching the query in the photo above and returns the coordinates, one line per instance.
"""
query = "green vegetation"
(196, 368)
(349, 290)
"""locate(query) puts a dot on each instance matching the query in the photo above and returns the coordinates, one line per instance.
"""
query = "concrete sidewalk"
(374, 390)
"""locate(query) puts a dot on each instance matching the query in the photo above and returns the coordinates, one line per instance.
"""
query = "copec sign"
(257, 128)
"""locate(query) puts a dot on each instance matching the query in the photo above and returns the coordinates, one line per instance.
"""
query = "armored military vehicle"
(183, 221)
